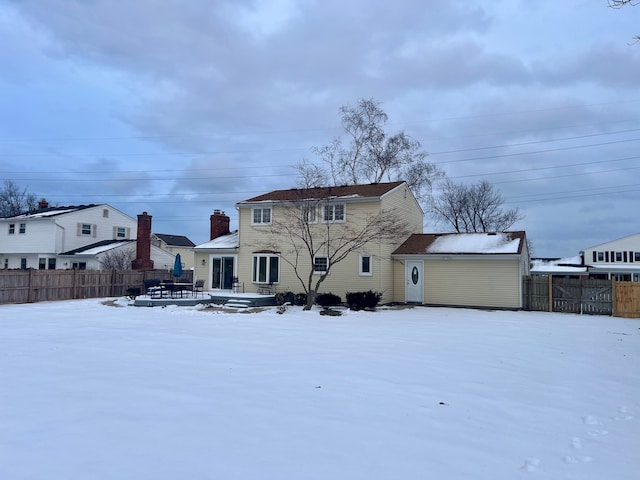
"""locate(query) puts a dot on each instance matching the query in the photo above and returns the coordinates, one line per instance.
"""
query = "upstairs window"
(309, 213)
(23, 228)
(12, 229)
(105, 213)
(636, 256)
(334, 212)
(601, 256)
(618, 256)
(261, 216)
(87, 229)
(121, 232)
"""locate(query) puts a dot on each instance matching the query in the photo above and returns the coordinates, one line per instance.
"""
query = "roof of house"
(463, 243)
(558, 266)
(175, 240)
(97, 247)
(228, 241)
(371, 190)
(50, 211)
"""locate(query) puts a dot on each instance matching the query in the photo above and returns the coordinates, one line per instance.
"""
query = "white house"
(91, 257)
(36, 239)
(618, 259)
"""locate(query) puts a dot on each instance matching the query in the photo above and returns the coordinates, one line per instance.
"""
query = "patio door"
(222, 272)
(415, 282)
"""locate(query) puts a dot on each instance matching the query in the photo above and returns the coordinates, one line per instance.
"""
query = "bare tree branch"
(472, 208)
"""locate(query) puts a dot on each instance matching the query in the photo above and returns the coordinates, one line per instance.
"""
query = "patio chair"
(152, 288)
(198, 287)
(169, 287)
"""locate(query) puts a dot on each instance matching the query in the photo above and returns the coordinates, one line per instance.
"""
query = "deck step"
(237, 303)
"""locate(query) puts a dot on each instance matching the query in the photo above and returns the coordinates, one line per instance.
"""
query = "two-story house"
(262, 253)
(618, 259)
(287, 237)
(35, 239)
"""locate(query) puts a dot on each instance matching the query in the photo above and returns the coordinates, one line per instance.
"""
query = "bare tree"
(118, 259)
(472, 208)
(368, 154)
(621, 3)
(302, 237)
(14, 201)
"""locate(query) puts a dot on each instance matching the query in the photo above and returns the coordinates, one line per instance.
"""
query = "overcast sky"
(180, 107)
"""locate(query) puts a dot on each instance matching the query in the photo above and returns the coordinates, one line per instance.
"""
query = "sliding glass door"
(222, 272)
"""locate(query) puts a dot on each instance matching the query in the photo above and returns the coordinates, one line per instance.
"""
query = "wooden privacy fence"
(26, 286)
(584, 296)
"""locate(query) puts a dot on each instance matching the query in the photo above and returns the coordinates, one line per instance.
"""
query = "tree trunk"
(311, 299)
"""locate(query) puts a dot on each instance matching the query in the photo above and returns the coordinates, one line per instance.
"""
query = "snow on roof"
(560, 265)
(475, 243)
(225, 241)
(103, 248)
(50, 212)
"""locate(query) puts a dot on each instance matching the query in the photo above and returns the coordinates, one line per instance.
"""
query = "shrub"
(328, 300)
(298, 299)
(363, 300)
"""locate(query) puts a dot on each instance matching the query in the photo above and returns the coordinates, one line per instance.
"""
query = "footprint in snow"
(623, 411)
(590, 420)
(572, 459)
(531, 464)
(576, 442)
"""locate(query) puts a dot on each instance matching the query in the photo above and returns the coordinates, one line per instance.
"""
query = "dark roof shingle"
(371, 190)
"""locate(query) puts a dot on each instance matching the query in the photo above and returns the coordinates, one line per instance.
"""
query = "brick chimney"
(219, 224)
(143, 244)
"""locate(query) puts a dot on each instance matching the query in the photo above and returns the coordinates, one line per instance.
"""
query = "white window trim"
(320, 272)
(333, 213)
(254, 273)
(370, 272)
(305, 214)
(253, 222)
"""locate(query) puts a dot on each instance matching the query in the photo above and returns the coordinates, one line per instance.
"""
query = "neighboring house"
(90, 257)
(571, 267)
(36, 239)
(462, 269)
(175, 244)
(618, 259)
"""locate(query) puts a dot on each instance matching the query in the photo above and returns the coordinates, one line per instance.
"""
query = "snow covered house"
(93, 256)
(36, 239)
(462, 269)
(618, 259)
(480, 270)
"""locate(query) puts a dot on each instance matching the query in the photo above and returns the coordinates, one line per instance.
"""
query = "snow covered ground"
(93, 391)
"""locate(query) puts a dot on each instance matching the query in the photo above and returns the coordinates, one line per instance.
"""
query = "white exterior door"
(415, 281)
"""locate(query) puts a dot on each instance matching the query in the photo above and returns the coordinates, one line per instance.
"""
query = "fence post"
(613, 297)
(551, 293)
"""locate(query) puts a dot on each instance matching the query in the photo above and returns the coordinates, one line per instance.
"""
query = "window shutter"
(79, 233)
(128, 233)
(94, 230)
(115, 232)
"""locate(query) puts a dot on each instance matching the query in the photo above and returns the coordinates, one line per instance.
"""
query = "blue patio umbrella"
(177, 266)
